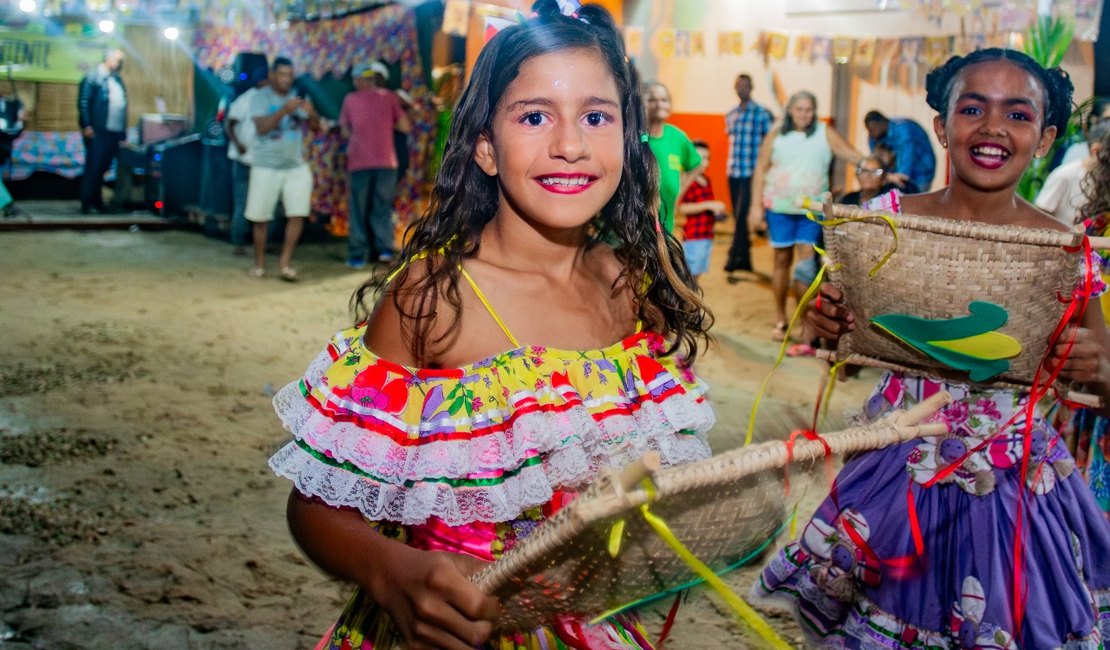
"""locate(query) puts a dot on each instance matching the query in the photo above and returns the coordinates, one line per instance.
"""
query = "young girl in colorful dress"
(540, 331)
(855, 576)
(1088, 432)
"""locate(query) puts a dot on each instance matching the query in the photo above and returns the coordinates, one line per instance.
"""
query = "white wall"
(703, 83)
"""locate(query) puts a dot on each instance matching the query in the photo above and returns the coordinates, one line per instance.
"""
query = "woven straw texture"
(937, 269)
(725, 510)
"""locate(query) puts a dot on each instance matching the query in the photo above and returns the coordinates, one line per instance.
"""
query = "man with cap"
(367, 119)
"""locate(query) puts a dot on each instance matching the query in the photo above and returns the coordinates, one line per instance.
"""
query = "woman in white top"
(794, 162)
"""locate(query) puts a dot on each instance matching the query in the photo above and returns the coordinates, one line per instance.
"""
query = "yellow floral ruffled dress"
(472, 459)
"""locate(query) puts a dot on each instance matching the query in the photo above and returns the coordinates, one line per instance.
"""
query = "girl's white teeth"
(579, 180)
(990, 151)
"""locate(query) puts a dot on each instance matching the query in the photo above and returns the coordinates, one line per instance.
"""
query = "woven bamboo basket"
(726, 510)
(939, 267)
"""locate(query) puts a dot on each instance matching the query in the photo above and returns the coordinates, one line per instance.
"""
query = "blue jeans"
(371, 212)
(240, 181)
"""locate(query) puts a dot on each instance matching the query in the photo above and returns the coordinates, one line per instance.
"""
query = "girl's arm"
(762, 164)
(427, 594)
(841, 148)
(1089, 361)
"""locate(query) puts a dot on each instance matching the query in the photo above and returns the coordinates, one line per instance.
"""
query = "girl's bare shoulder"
(390, 327)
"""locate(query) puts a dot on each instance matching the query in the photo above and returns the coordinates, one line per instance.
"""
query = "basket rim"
(963, 227)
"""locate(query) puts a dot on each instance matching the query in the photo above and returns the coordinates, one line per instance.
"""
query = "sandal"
(257, 272)
(779, 332)
(801, 350)
(289, 274)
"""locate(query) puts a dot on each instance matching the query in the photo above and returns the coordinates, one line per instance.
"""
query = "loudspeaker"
(173, 175)
(247, 67)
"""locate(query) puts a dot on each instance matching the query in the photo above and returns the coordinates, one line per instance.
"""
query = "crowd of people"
(549, 259)
(541, 321)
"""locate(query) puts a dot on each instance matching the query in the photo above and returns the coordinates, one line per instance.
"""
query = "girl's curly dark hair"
(1096, 184)
(464, 198)
(1055, 82)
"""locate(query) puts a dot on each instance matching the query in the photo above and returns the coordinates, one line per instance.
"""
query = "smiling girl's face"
(556, 142)
(994, 125)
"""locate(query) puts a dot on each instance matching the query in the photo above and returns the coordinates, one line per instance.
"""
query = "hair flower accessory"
(570, 8)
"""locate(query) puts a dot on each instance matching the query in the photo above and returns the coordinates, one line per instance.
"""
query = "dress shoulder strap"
(477, 292)
(489, 307)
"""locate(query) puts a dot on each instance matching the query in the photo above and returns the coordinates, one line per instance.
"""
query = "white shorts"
(293, 186)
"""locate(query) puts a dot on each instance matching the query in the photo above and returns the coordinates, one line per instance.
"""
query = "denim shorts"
(785, 230)
(697, 255)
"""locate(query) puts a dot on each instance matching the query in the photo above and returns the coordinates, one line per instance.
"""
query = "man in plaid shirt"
(701, 210)
(746, 125)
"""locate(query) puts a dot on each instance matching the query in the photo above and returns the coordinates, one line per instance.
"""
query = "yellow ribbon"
(615, 534)
(735, 602)
(833, 370)
(814, 287)
(831, 223)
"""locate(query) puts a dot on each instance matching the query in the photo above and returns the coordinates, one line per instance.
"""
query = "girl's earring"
(944, 144)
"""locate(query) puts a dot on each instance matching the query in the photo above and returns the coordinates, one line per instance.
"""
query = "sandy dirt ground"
(136, 374)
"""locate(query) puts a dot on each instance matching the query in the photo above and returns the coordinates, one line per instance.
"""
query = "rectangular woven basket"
(726, 510)
(938, 267)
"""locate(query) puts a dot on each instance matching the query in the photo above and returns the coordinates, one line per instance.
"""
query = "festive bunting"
(842, 49)
(822, 49)
(634, 40)
(456, 17)
(730, 43)
(803, 47)
(777, 45)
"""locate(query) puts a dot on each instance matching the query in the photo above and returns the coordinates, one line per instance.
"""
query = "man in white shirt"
(241, 135)
(1062, 193)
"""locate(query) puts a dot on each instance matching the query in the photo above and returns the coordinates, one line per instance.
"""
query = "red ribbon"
(1042, 384)
(808, 434)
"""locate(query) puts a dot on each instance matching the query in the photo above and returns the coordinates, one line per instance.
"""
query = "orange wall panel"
(711, 128)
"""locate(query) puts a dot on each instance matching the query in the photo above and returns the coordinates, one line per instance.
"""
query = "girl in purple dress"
(895, 559)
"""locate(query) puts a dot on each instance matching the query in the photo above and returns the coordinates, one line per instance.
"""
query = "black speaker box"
(245, 65)
(173, 175)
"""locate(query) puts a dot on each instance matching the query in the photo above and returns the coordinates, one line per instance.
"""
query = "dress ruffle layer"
(487, 441)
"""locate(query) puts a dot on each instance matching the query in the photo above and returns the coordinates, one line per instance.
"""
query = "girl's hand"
(1087, 363)
(430, 598)
(828, 318)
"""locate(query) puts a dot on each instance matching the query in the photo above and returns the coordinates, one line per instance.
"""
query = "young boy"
(702, 211)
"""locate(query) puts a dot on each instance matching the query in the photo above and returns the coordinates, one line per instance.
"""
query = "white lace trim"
(571, 467)
(405, 482)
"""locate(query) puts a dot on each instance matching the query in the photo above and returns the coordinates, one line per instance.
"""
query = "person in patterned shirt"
(746, 124)
(702, 211)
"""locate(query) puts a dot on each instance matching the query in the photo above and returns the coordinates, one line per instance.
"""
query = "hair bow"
(569, 7)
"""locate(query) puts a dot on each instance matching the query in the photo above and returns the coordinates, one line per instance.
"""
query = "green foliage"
(1048, 39)
(1046, 42)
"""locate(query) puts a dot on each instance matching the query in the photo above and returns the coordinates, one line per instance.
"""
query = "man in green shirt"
(673, 150)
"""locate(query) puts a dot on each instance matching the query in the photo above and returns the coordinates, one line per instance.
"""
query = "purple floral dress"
(855, 578)
(854, 575)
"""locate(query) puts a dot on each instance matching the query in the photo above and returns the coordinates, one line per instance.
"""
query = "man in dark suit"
(102, 114)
